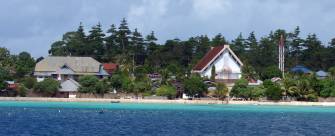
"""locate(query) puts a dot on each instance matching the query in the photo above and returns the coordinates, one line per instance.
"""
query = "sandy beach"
(179, 101)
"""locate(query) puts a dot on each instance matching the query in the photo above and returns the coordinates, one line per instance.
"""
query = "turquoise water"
(80, 118)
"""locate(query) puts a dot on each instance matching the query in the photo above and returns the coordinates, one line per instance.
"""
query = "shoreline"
(179, 101)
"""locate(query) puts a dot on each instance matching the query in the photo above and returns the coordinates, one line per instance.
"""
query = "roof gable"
(214, 54)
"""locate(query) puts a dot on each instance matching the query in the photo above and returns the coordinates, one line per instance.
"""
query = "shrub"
(29, 82)
(241, 89)
(166, 90)
(221, 90)
(312, 97)
(194, 86)
(88, 84)
(273, 90)
(257, 92)
(22, 90)
(47, 86)
(91, 84)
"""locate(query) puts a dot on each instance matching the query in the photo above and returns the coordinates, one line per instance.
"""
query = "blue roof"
(321, 73)
(300, 69)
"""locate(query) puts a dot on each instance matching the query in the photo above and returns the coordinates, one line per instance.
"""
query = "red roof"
(208, 57)
(110, 67)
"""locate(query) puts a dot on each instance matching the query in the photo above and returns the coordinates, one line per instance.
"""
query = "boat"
(115, 101)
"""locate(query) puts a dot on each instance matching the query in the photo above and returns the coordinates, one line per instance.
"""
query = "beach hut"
(69, 88)
(321, 74)
(300, 69)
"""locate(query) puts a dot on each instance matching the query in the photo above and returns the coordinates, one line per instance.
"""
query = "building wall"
(222, 62)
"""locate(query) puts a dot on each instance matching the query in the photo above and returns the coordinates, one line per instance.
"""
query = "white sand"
(180, 101)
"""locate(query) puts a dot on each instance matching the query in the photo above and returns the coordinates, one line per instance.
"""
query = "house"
(63, 68)
(227, 65)
(321, 74)
(67, 71)
(110, 67)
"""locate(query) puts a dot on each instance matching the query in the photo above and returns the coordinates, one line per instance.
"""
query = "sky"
(33, 25)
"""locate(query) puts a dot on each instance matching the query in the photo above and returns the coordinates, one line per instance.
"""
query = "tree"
(91, 84)
(59, 48)
(112, 46)
(219, 40)
(96, 42)
(271, 72)
(273, 90)
(166, 90)
(194, 86)
(123, 35)
(4, 75)
(141, 86)
(213, 73)
(24, 64)
(137, 43)
(328, 88)
(5, 58)
(221, 90)
(48, 87)
(238, 46)
(241, 89)
(29, 82)
(332, 72)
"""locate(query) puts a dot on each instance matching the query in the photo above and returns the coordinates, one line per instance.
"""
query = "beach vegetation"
(194, 86)
(166, 90)
(221, 91)
(91, 84)
(47, 87)
(22, 91)
(272, 90)
(241, 89)
(29, 82)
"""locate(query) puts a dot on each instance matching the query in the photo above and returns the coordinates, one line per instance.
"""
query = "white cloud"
(208, 8)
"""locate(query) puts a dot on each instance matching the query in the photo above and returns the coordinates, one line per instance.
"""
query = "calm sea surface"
(59, 118)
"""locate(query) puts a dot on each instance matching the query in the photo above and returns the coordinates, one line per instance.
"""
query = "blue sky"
(32, 25)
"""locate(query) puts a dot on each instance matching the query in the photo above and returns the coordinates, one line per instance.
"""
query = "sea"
(132, 119)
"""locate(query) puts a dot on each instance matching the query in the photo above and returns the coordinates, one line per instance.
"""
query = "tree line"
(131, 50)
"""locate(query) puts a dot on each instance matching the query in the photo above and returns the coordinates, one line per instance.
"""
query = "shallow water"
(78, 118)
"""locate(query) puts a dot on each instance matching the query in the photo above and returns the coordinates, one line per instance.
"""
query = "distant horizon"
(36, 25)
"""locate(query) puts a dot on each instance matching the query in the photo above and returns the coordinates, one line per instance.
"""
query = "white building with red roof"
(228, 67)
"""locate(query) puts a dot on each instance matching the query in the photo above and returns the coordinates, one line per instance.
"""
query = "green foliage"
(194, 86)
(48, 87)
(142, 86)
(22, 91)
(4, 75)
(257, 92)
(273, 90)
(241, 89)
(221, 90)
(270, 72)
(328, 88)
(166, 90)
(24, 64)
(29, 82)
(91, 84)
(332, 72)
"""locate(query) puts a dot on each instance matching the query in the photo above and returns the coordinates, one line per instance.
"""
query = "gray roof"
(77, 64)
(321, 73)
(69, 85)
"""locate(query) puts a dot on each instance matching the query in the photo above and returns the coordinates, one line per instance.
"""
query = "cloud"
(33, 25)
